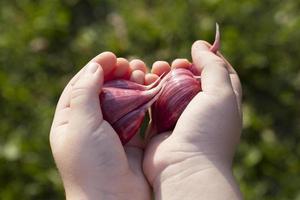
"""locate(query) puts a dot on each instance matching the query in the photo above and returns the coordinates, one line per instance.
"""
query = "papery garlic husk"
(178, 91)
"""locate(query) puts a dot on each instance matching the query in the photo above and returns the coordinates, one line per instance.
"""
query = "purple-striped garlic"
(125, 103)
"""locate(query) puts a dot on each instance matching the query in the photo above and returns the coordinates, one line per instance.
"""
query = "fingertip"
(122, 68)
(137, 64)
(160, 67)
(150, 78)
(107, 60)
(109, 53)
(181, 63)
(201, 54)
(138, 76)
(200, 45)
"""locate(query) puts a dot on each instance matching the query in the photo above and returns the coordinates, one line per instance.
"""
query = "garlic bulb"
(125, 103)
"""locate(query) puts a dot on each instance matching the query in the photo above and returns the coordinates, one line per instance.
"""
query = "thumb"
(215, 77)
(85, 104)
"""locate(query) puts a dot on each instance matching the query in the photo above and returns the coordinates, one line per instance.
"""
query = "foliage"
(44, 42)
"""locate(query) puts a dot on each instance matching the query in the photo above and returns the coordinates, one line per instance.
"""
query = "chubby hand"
(194, 162)
(91, 160)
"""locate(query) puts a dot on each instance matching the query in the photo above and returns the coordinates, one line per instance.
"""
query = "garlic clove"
(129, 124)
(116, 102)
(178, 91)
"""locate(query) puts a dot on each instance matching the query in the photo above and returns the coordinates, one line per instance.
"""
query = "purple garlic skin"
(125, 103)
(179, 89)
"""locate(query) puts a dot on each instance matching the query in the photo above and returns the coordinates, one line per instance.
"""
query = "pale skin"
(194, 162)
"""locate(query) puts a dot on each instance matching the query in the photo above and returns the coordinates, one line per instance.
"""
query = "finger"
(137, 64)
(85, 105)
(234, 78)
(181, 63)
(107, 60)
(236, 84)
(215, 78)
(122, 69)
(160, 67)
(150, 78)
(61, 116)
(138, 76)
(62, 111)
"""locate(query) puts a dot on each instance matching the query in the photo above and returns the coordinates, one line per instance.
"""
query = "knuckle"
(222, 64)
(80, 94)
(77, 92)
(213, 60)
(222, 93)
(82, 88)
(218, 61)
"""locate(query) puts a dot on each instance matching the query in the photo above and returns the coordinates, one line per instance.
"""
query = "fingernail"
(91, 68)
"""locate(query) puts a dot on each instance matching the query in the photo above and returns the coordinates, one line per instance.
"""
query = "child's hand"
(194, 162)
(89, 155)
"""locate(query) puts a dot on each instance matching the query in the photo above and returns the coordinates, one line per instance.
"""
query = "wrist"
(192, 179)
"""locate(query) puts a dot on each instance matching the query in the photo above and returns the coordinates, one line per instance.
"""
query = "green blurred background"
(43, 43)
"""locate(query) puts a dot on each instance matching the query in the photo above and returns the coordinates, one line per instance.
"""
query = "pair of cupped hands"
(194, 161)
